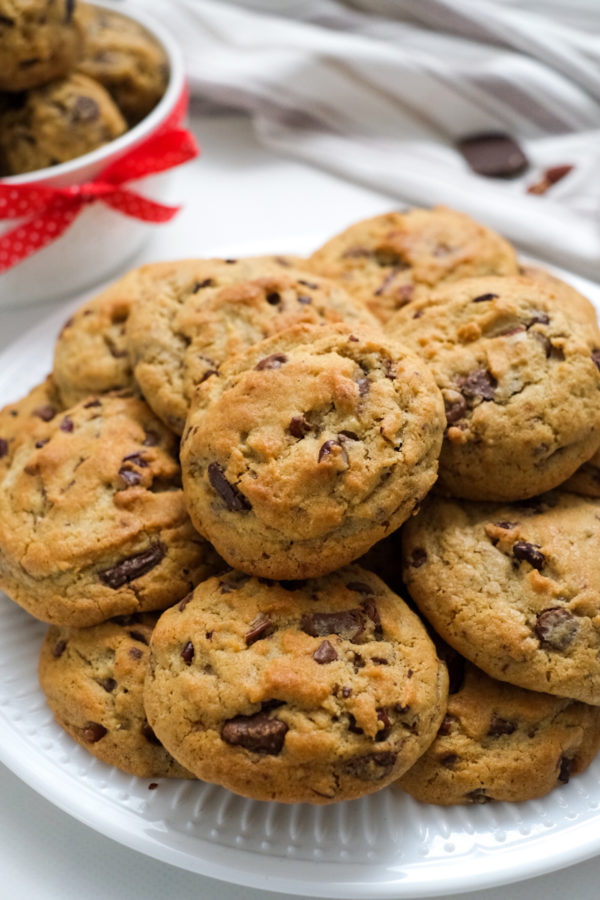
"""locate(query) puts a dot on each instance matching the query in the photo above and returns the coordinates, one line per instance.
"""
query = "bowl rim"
(139, 132)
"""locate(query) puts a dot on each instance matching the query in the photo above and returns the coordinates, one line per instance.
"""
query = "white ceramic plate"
(385, 845)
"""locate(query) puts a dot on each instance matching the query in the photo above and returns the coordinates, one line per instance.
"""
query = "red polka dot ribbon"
(48, 211)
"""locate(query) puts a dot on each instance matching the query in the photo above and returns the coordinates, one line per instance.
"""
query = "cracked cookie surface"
(93, 680)
(501, 742)
(519, 371)
(314, 692)
(515, 588)
(306, 450)
(92, 517)
(390, 260)
(195, 314)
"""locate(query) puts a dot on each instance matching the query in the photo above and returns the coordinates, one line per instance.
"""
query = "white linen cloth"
(378, 91)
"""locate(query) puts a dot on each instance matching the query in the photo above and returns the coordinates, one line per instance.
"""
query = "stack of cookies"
(305, 528)
(73, 77)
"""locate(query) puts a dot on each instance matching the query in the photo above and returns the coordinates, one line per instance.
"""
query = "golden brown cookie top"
(501, 742)
(314, 691)
(513, 587)
(303, 452)
(195, 314)
(390, 260)
(27, 418)
(92, 517)
(93, 679)
(520, 376)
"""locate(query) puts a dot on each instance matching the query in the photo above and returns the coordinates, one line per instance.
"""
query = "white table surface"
(237, 194)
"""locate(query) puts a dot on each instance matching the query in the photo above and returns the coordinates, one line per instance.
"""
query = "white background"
(236, 194)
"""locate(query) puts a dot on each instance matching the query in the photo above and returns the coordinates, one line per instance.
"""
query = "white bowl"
(101, 240)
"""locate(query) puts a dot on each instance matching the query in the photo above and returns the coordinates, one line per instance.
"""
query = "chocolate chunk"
(372, 766)
(550, 350)
(9, 23)
(379, 661)
(41, 443)
(389, 278)
(234, 581)
(188, 653)
(506, 525)
(148, 733)
(208, 282)
(135, 653)
(348, 436)
(539, 318)
(500, 726)
(109, 684)
(129, 476)
(303, 298)
(136, 459)
(477, 796)
(349, 624)
(325, 653)
(493, 154)
(47, 413)
(327, 448)
(479, 384)
(596, 357)
(370, 608)
(274, 361)
(385, 720)
(59, 649)
(527, 552)
(564, 769)
(3, 447)
(138, 636)
(69, 10)
(259, 733)
(133, 567)
(358, 661)
(455, 409)
(549, 177)
(183, 603)
(273, 298)
(449, 760)
(93, 732)
(418, 558)
(360, 587)
(346, 692)
(91, 403)
(483, 298)
(232, 497)
(67, 425)
(556, 628)
(352, 726)
(260, 627)
(446, 726)
(85, 109)
(298, 426)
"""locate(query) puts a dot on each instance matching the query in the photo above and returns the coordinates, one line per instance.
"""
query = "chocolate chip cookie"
(90, 355)
(392, 259)
(121, 55)
(500, 742)
(92, 517)
(515, 588)
(521, 383)
(39, 41)
(313, 692)
(27, 419)
(304, 451)
(93, 679)
(195, 314)
(57, 122)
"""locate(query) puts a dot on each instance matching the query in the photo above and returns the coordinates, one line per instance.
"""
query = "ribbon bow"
(49, 211)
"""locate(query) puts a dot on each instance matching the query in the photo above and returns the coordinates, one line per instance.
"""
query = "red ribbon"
(50, 211)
